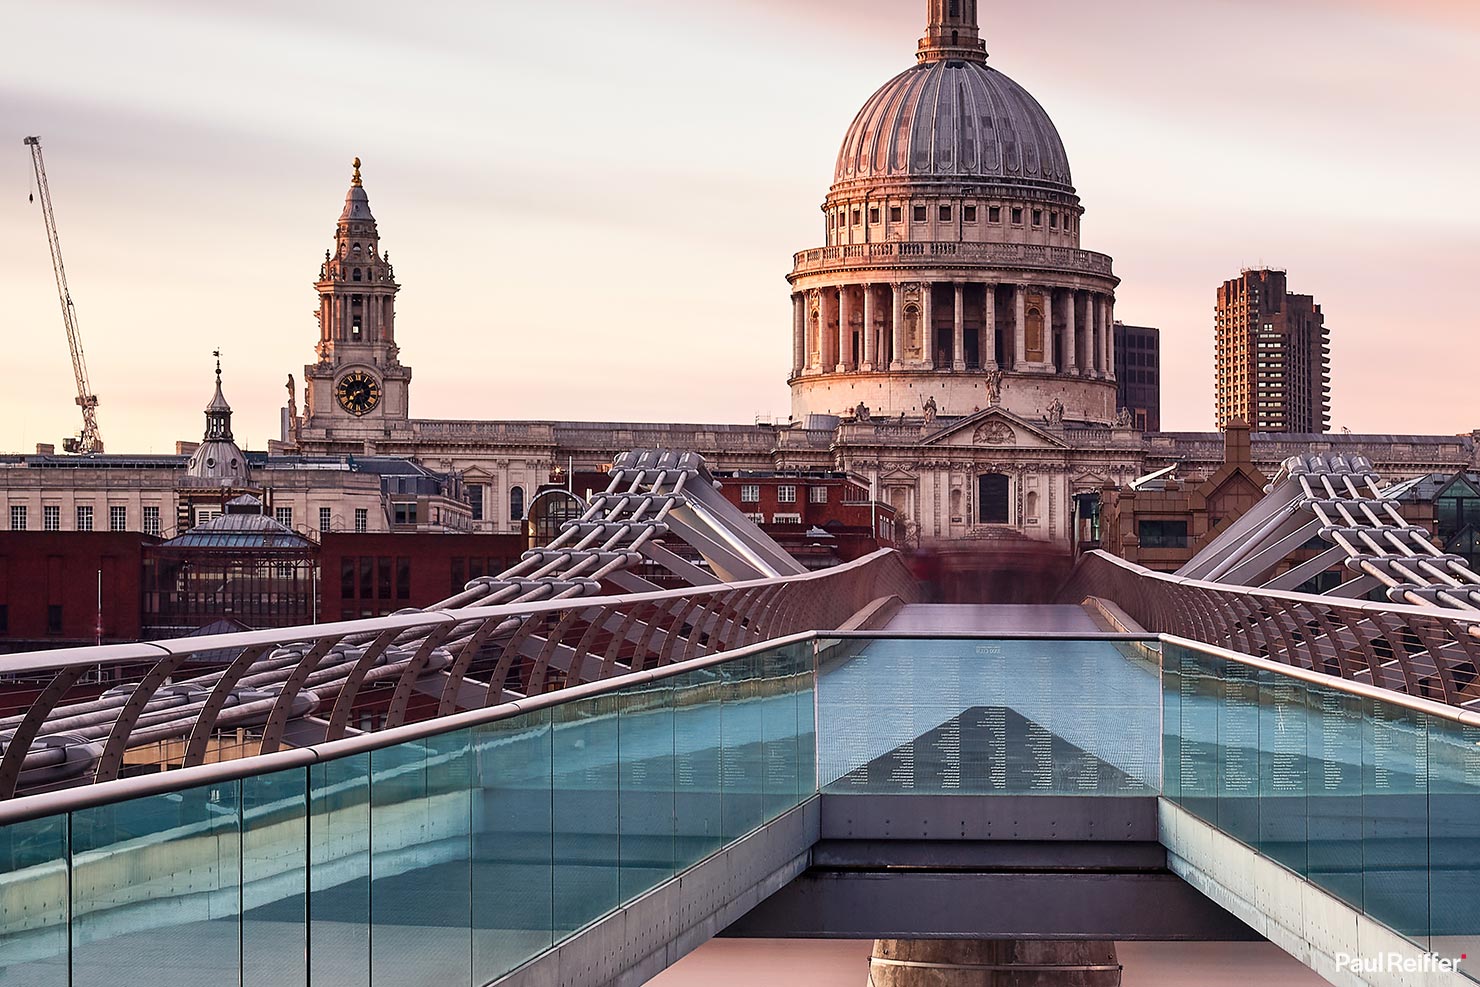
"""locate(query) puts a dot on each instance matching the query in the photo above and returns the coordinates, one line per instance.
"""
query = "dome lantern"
(218, 460)
(953, 33)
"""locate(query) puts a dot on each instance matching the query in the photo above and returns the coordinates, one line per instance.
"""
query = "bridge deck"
(943, 618)
(1075, 785)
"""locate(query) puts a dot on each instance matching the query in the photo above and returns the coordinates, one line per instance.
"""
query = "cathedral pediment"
(995, 428)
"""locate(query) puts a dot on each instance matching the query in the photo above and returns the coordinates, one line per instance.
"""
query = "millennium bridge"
(573, 773)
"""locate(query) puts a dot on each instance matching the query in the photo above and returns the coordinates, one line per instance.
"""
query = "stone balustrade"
(1024, 256)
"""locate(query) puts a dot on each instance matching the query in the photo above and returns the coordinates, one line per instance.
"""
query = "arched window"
(955, 8)
(992, 499)
(1035, 334)
(516, 504)
(356, 275)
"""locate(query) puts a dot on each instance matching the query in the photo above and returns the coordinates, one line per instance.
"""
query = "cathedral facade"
(952, 340)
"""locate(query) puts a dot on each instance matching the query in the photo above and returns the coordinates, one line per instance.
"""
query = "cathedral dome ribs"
(954, 122)
(951, 274)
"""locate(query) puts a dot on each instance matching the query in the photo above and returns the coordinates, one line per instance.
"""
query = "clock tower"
(358, 389)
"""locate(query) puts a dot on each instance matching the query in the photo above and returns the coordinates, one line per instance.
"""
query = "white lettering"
(1396, 962)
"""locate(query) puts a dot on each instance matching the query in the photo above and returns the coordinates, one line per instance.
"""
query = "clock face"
(358, 393)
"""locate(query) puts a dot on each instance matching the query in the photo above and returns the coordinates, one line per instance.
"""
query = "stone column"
(1106, 332)
(845, 331)
(987, 338)
(998, 963)
(1048, 307)
(828, 337)
(958, 341)
(798, 334)
(1110, 336)
(1092, 335)
(1020, 327)
(1072, 335)
(816, 299)
(927, 314)
(896, 354)
(870, 331)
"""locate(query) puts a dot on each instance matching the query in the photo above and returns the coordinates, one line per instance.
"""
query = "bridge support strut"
(992, 963)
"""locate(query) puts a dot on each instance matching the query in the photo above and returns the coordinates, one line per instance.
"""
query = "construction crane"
(89, 440)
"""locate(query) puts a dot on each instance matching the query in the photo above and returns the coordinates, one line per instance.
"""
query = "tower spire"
(953, 33)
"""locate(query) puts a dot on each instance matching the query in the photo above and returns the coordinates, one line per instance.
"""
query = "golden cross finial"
(356, 183)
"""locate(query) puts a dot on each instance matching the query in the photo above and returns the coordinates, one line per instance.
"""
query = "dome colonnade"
(952, 266)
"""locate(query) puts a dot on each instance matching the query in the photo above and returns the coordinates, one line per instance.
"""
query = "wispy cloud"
(582, 195)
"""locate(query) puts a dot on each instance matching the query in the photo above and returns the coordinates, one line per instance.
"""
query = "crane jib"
(90, 439)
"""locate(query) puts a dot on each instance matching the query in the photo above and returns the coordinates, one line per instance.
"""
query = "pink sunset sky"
(592, 205)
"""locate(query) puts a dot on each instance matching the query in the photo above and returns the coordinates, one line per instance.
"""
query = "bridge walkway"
(1032, 784)
(986, 620)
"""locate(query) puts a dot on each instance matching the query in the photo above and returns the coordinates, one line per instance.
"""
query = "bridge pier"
(992, 963)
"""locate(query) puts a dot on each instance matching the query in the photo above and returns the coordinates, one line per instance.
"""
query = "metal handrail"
(281, 676)
(1425, 651)
(1361, 690)
(71, 800)
(114, 654)
(30, 807)
(1400, 609)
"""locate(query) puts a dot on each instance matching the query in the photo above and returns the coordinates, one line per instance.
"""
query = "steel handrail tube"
(72, 800)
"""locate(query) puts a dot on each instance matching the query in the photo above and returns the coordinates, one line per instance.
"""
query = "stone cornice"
(906, 255)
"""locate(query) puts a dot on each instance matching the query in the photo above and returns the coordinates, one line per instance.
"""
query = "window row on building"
(945, 212)
(750, 493)
(84, 518)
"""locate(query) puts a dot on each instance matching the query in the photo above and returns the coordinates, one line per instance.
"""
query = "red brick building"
(374, 575)
(67, 588)
(796, 509)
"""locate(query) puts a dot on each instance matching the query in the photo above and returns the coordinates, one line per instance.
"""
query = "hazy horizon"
(593, 208)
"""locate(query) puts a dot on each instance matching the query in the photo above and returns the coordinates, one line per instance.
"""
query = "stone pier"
(992, 963)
